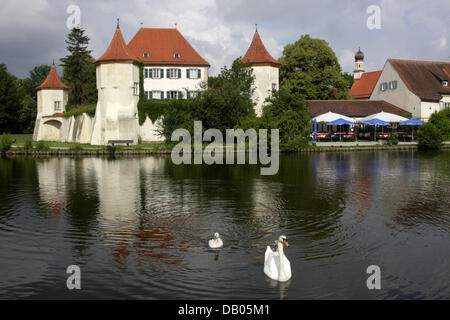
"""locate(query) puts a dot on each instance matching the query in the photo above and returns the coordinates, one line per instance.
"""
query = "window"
(136, 88)
(145, 54)
(173, 73)
(191, 94)
(445, 83)
(193, 73)
(176, 55)
(57, 105)
(153, 73)
(156, 94)
(393, 85)
(274, 86)
(172, 94)
(446, 105)
(383, 86)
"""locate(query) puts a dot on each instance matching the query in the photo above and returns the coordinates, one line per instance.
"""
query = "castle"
(172, 68)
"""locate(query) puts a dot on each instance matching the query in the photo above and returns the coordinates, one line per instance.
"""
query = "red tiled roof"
(53, 81)
(117, 50)
(423, 78)
(258, 55)
(162, 45)
(353, 108)
(55, 115)
(363, 87)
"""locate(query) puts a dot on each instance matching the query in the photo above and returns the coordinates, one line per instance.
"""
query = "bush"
(393, 139)
(28, 144)
(78, 111)
(429, 137)
(41, 145)
(5, 142)
(442, 122)
(111, 149)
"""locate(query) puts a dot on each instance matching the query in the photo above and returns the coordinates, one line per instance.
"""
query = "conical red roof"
(117, 49)
(258, 55)
(53, 81)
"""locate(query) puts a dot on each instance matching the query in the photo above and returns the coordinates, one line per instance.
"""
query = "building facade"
(172, 66)
(420, 87)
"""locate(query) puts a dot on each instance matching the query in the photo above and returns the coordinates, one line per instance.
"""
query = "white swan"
(276, 265)
(216, 242)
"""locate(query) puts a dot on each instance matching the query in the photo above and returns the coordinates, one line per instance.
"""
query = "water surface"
(138, 227)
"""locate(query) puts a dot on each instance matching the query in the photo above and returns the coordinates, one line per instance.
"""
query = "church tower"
(359, 65)
(52, 96)
(117, 76)
(265, 69)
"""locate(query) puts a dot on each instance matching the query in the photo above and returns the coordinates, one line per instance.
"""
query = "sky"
(33, 32)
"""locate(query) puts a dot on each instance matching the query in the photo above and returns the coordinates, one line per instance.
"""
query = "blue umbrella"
(376, 122)
(411, 122)
(339, 122)
(315, 126)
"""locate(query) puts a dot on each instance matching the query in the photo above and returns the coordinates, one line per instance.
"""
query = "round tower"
(117, 74)
(52, 96)
(359, 65)
(265, 69)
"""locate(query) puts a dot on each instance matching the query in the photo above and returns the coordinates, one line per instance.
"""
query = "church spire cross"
(118, 26)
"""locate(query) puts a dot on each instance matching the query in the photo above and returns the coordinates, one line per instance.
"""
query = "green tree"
(441, 120)
(27, 110)
(9, 102)
(222, 106)
(310, 67)
(429, 137)
(38, 74)
(79, 69)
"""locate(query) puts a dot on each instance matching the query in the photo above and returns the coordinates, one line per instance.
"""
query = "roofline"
(165, 63)
(53, 88)
(421, 61)
(133, 61)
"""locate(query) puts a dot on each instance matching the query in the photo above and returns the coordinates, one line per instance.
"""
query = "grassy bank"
(22, 145)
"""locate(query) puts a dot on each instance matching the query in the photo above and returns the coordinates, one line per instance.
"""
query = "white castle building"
(172, 69)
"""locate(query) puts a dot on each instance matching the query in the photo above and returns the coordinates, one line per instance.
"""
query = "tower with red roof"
(52, 96)
(265, 69)
(117, 76)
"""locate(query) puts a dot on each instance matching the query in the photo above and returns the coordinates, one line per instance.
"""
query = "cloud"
(33, 32)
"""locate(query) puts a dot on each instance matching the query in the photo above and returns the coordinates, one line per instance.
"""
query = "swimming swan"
(276, 265)
(216, 242)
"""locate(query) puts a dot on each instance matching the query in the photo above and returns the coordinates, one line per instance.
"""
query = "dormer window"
(145, 54)
(176, 55)
(445, 83)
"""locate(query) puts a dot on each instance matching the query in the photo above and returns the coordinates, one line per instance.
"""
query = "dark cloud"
(33, 32)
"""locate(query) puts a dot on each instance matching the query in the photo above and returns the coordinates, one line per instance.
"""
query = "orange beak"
(286, 243)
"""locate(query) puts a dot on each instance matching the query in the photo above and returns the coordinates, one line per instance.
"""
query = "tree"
(288, 113)
(222, 105)
(310, 67)
(9, 102)
(79, 69)
(26, 113)
(38, 75)
(429, 137)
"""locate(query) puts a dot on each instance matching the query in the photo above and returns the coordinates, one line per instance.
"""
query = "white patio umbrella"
(331, 116)
(384, 116)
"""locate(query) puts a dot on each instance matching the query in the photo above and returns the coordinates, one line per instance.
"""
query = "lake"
(138, 227)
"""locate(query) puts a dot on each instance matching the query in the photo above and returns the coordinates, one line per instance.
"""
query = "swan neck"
(281, 274)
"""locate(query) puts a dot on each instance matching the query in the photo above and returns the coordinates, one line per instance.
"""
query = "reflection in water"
(138, 227)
